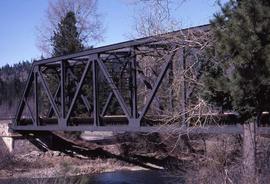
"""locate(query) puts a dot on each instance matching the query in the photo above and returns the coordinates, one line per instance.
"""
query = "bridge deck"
(227, 124)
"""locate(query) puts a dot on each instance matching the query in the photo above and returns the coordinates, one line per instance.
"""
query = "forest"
(12, 82)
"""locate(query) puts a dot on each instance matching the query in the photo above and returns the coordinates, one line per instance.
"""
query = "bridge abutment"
(12, 142)
(7, 141)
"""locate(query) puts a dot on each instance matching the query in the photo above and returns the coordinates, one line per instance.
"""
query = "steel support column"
(63, 96)
(134, 105)
(95, 93)
(184, 88)
(36, 98)
(171, 91)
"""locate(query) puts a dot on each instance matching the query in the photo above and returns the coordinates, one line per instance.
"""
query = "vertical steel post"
(184, 87)
(30, 111)
(36, 98)
(170, 76)
(134, 84)
(63, 96)
(95, 93)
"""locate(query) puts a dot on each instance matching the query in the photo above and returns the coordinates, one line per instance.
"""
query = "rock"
(36, 153)
(56, 153)
(48, 154)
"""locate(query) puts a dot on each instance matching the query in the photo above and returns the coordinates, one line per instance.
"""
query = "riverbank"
(56, 164)
(83, 158)
(197, 159)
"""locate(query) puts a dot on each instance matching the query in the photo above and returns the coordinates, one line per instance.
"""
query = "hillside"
(12, 82)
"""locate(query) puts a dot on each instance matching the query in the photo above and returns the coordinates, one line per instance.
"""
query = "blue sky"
(19, 19)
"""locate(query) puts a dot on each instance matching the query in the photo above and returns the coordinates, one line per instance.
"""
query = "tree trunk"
(249, 153)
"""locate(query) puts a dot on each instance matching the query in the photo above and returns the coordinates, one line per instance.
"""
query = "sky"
(19, 20)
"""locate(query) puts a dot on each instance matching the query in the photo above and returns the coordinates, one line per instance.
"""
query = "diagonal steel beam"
(25, 94)
(86, 103)
(78, 89)
(156, 87)
(30, 111)
(114, 88)
(108, 101)
(84, 98)
(50, 112)
(48, 93)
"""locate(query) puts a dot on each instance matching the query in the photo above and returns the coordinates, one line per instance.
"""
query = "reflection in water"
(119, 177)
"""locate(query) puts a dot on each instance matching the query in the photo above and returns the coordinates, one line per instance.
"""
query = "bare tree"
(186, 107)
(153, 18)
(176, 104)
(89, 23)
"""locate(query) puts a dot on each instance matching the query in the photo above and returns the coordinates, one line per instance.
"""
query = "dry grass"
(221, 163)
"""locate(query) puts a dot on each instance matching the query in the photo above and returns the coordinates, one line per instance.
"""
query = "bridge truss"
(107, 88)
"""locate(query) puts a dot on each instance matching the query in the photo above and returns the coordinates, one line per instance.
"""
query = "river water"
(118, 177)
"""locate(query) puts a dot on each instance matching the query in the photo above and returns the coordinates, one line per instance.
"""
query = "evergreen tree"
(238, 76)
(12, 81)
(66, 38)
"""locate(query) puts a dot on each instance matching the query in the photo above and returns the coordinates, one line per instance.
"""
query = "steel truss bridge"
(118, 87)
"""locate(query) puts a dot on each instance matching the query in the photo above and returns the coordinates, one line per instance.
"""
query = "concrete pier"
(11, 142)
(7, 140)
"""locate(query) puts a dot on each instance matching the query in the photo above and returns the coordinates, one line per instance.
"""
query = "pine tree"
(66, 38)
(237, 75)
(238, 78)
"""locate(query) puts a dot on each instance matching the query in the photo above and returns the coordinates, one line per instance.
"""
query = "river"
(118, 177)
